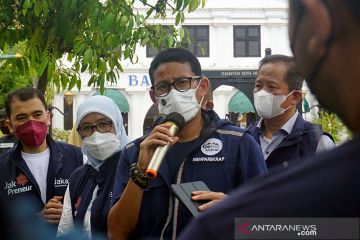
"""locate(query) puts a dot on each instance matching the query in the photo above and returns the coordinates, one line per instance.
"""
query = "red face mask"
(32, 133)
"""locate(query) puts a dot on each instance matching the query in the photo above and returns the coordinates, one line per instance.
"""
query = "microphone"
(177, 122)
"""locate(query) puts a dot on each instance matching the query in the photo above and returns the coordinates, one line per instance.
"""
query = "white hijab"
(107, 107)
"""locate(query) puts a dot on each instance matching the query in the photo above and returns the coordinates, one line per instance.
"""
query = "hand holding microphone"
(176, 122)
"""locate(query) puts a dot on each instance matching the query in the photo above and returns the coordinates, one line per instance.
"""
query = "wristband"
(138, 178)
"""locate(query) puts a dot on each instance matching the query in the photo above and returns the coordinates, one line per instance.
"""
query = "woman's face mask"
(268, 105)
(101, 145)
(184, 103)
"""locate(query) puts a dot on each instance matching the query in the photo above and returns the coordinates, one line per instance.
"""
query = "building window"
(199, 45)
(199, 36)
(247, 41)
(152, 52)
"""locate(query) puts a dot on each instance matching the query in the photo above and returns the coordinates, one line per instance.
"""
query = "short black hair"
(292, 77)
(352, 5)
(23, 94)
(179, 55)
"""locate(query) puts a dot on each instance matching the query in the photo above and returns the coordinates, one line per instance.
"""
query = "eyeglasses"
(102, 127)
(180, 84)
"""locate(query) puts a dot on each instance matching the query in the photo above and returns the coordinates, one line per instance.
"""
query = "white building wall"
(139, 102)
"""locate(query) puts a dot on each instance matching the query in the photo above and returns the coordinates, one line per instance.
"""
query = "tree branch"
(167, 3)
(127, 9)
(43, 81)
(149, 5)
(6, 26)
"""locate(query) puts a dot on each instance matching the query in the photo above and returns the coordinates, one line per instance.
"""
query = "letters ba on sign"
(139, 80)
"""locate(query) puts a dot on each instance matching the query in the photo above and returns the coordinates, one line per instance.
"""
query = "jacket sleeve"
(252, 160)
(195, 230)
(122, 173)
(325, 144)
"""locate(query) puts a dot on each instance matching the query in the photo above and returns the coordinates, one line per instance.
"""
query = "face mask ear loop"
(202, 98)
(201, 101)
(289, 94)
(285, 99)
(198, 85)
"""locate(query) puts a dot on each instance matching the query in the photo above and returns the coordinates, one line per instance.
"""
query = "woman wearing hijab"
(87, 198)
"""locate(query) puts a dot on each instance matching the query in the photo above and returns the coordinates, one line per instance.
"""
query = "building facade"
(230, 38)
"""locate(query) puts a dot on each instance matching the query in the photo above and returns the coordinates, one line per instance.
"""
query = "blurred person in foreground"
(325, 40)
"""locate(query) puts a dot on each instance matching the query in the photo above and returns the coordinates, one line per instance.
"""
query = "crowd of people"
(98, 187)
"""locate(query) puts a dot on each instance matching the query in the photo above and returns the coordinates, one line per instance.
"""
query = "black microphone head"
(176, 118)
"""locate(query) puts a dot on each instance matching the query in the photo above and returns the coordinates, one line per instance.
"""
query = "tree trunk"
(43, 81)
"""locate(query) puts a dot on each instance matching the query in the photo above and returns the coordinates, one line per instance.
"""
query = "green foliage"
(14, 72)
(60, 134)
(95, 36)
(331, 123)
(9, 81)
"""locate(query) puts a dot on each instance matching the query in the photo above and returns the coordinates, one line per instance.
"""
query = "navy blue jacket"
(301, 142)
(7, 142)
(82, 184)
(224, 158)
(17, 183)
(326, 186)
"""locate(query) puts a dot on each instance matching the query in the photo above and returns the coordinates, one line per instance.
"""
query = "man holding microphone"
(205, 149)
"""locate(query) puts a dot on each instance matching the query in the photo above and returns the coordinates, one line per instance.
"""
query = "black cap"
(176, 118)
(3, 115)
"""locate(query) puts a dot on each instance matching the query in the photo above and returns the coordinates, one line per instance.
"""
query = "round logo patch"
(163, 102)
(211, 147)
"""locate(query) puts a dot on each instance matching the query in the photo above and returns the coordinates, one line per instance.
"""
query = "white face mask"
(101, 145)
(268, 105)
(184, 103)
